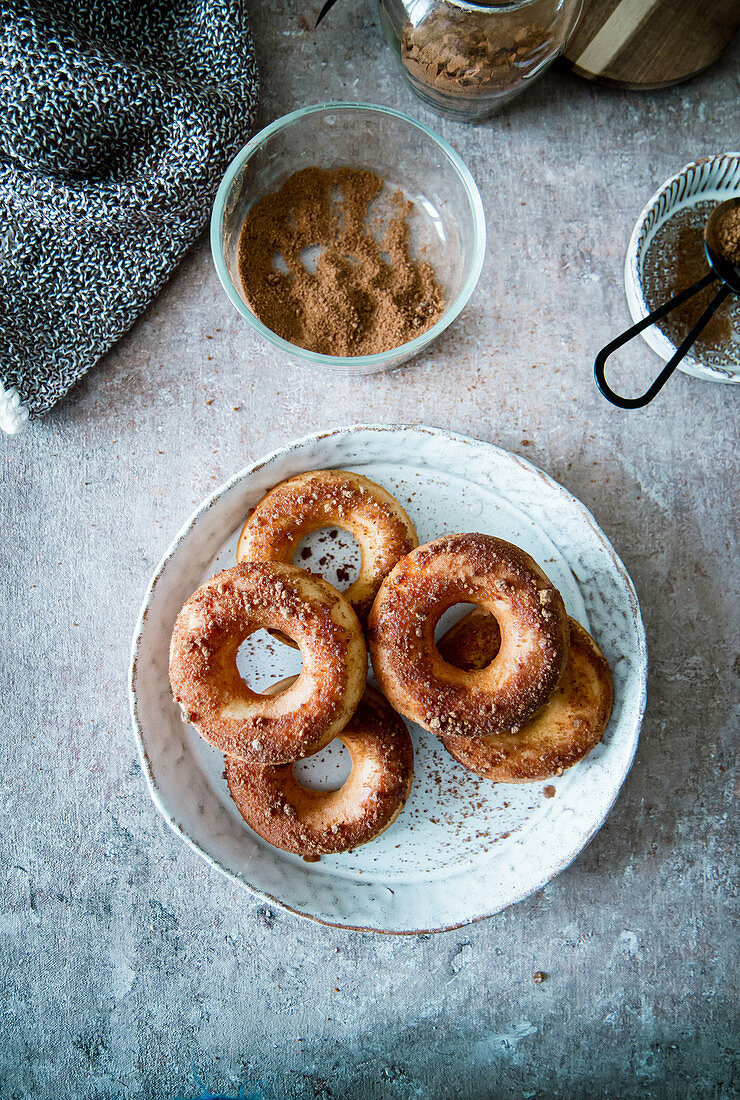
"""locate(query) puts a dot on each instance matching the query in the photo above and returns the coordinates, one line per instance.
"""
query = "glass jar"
(466, 59)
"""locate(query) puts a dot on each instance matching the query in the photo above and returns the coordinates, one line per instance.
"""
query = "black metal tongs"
(721, 269)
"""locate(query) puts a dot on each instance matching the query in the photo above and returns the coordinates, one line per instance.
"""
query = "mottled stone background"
(128, 967)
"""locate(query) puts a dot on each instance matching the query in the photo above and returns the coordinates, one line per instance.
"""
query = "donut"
(206, 681)
(314, 823)
(326, 498)
(479, 569)
(569, 725)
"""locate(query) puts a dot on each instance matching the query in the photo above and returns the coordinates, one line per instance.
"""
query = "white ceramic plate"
(713, 178)
(463, 848)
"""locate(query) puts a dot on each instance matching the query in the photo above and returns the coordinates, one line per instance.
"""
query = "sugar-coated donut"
(315, 823)
(479, 569)
(206, 681)
(331, 498)
(569, 725)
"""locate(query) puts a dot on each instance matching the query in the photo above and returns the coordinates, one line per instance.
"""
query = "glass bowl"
(447, 221)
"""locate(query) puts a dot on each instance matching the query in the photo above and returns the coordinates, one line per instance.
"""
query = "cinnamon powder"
(315, 273)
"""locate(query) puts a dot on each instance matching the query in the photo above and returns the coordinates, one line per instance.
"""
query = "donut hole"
(333, 553)
(326, 770)
(262, 660)
(451, 616)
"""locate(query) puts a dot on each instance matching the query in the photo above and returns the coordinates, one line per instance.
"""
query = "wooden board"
(650, 43)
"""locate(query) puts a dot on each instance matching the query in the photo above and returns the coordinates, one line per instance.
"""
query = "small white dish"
(463, 848)
(710, 178)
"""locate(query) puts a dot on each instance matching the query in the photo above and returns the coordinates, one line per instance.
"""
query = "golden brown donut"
(315, 823)
(206, 681)
(468, 568)
(569, 725)
(331, 498)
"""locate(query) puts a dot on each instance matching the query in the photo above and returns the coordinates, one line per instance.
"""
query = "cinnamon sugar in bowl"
(431, 244)
(666, 255)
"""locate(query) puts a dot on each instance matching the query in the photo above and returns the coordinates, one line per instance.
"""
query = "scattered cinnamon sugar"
(728, 234)
(364, 296)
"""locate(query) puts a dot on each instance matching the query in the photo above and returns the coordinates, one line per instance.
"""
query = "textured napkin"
(117, 120)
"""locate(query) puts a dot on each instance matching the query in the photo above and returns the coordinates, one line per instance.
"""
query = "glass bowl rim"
(357, 362)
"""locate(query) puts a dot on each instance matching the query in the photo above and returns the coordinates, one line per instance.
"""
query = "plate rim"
(282, 452)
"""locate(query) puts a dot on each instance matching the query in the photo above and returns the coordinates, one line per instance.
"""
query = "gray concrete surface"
(128, 967)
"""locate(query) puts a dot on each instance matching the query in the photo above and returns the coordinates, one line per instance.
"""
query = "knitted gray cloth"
(117, 120)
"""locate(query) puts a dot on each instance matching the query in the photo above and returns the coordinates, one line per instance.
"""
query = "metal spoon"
(721, 269)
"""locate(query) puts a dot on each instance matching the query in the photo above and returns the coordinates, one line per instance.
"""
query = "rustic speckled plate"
(463, 848)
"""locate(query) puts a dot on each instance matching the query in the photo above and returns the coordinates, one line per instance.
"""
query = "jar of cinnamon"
(466, 59)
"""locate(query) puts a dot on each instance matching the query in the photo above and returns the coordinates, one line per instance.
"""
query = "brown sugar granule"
(364, 296)
(728, 234)
(674, 260)
(461, 55)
